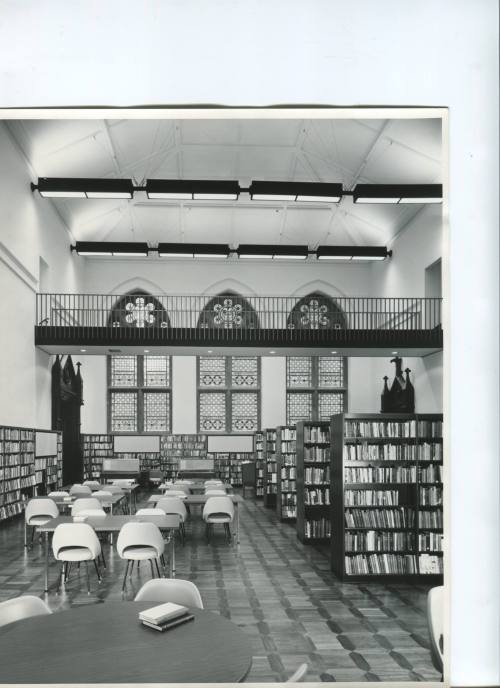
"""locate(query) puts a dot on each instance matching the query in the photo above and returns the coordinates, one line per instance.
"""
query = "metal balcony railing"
(232, 318)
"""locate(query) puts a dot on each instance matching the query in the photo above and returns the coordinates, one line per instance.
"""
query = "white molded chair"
(38, 512)
(176, 487)
(58, 494)
(88, 506)
(140, 541)
(114, 489)
(298, 674)
(93, 484)
(170, 504)
(213, 482)
(150, 511)
(175, 493)
(76, 542)
(183, 482)
(435, 624)
(217, 510)
(124, 482)
(170, 590)
(22, 608)
(102, 495)
(214, 491)
(78, 490)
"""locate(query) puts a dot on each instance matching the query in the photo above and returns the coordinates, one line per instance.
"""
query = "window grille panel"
(299, 371)
(212, 411)
(330, 403)
(244, 371)
(212, 371)
(156, 371)
(298, 407)
(156, 411)
(245, 411)
(330, 371)
(124, 412)
(124, 371)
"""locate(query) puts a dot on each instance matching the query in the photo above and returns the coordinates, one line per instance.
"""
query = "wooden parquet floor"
(280, 592)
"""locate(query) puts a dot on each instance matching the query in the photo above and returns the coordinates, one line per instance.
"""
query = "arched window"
(228, 311)
(316, 311)
(138, 309)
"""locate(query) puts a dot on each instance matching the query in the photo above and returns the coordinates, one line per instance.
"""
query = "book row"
(394, 452)
(317, 528)
(316, 454)
(430, 519)
(317, 496)
(380, 518)
(378, 541)
(430, 542)
(317, 476)
(371, 497)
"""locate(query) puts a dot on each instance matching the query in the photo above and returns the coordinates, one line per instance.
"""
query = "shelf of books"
(222, 466)
(286, 460)
(177, 447)
(387, 496)
(17, 469)
(259, 457)
(270, 471)
(314, 519)
(48, 469)
(95, 448)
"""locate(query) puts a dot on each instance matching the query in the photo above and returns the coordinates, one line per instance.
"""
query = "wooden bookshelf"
(177, 447)
(270, 471)
(286, 460)
(314, 518)
(385, 468)
(22, 475)
(95, 448)
(259, 458)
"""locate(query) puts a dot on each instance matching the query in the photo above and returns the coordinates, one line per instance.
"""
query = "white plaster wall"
(184, 394)
(94, 409)
(273, 391)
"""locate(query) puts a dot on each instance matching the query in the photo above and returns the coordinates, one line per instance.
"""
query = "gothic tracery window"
(138, 309)
(228, 311)
(316, 311)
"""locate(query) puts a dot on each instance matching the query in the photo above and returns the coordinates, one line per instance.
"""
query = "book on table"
(163, 613)
(167, 625)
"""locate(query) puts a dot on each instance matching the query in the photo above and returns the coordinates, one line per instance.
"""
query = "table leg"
(172, 554)
(46, 561)
(237, 523)
(25, 534)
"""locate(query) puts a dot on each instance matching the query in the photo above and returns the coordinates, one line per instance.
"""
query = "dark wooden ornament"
(400, 397)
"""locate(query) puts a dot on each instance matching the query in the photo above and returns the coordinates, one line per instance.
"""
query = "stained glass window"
(212, 411)
(244, 371)
(156, 411)
(320, 376)
(229, 409)
(299, 371)
(245, 412)
(212, 371)
(298, 407)
(330, 403)
(156, 371)
(124, 411)
(123, 371)
(132, 408)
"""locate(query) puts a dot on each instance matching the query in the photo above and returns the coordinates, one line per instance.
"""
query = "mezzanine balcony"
(191, 323)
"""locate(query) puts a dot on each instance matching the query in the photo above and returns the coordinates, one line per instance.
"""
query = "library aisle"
(281, 593)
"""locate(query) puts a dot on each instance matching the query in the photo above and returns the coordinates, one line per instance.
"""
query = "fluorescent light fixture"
(193, 250)
(348, 253)
(277, 251)
(80, 187)
(398, 193)
(291, 253)
(255, 251)
(295, 191)
(193, 189)
(111, 248)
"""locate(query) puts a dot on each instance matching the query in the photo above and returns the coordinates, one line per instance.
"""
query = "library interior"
(222, 397)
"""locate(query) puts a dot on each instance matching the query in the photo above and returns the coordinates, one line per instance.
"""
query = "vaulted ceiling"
(334, 150)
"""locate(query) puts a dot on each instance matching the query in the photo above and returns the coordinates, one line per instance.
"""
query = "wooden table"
(106, 643)
(201, 499)
(112, 524)
(129, 491)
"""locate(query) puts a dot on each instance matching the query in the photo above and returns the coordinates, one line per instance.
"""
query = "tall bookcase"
(22, 475)
(314, 518)
(387, 496)
(259, 457)
(95, 448)
(177, 447)
(270, 474)
(286, 460)
(228, 466)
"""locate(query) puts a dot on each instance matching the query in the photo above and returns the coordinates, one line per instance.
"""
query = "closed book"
(167, 625)
(162, 612)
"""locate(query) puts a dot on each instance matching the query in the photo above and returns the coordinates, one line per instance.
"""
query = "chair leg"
(97, 571)
(152, 569)
(68, 569)
(88, 577)
(125, 575)
(132, 567)
(102, 557)
(157, 568)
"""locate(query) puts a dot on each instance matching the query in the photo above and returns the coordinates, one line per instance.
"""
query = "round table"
(106, 643)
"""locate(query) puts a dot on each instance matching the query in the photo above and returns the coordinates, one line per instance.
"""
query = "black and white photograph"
(249, 410)
(238, 399)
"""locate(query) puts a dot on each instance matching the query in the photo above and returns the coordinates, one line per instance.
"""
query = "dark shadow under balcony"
(186, 324)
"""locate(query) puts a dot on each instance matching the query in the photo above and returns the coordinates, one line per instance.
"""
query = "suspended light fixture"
(348, 253)
(398, 193)
(278, 252)
(166, 250)
(184, 190)
(111, 248)
(61, 187)
(295, 191)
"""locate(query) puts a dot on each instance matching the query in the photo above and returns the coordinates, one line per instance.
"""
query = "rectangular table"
(113, 524)
(196, 487)
(201, 499)
(129, 490)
